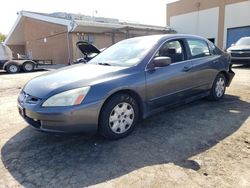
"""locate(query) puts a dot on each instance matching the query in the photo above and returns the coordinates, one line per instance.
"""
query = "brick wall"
(46, 41)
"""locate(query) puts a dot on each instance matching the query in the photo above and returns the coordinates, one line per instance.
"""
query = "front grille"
(26, 98)
(240, 53)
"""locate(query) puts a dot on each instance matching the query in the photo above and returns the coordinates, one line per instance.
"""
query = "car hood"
(68, 78)
(240, 47)
(87, 48)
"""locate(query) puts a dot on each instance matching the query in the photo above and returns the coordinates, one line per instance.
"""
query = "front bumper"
(237, 60)
(230, 76)
(74, 119)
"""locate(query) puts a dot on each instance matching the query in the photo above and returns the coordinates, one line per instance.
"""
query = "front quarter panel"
(129, 81)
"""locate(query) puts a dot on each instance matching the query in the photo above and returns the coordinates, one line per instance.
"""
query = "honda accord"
(128, 81)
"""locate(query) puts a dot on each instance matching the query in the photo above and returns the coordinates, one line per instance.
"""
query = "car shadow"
(173, 136)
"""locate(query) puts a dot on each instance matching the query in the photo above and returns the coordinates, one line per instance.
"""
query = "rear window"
(198, 48)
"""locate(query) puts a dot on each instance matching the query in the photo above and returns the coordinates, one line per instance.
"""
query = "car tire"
(12, 68)
(28, 67)
(118, 117)
(219, 87)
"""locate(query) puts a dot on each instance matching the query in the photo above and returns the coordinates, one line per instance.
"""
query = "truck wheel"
(12, 68)
(28, 67)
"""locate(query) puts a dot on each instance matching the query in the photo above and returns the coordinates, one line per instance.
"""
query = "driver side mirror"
(233, 44)
(160, 62)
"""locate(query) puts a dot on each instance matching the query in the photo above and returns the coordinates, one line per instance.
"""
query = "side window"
(172, 49)
(198, 48)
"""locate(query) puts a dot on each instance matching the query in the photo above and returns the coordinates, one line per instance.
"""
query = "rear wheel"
(219, 88)
(118, 117)
(12, 68)
(28, 67)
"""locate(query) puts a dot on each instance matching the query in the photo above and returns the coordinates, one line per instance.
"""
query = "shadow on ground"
(37, 159)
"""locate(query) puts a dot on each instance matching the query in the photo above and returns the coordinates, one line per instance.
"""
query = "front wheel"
(118, 117)
(219, 88)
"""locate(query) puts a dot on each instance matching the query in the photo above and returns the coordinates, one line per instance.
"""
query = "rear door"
(203, 64)
(168, 85)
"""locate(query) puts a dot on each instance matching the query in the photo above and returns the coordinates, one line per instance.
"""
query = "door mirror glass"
(161, 61)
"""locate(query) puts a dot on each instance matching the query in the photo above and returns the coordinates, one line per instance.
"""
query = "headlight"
(67, 98)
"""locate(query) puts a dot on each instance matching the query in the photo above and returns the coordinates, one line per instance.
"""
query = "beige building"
(221, 21)
(53, 36)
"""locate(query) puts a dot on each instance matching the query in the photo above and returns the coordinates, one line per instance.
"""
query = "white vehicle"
(11, 65)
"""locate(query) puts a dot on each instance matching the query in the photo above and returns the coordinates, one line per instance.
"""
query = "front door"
(170, 84)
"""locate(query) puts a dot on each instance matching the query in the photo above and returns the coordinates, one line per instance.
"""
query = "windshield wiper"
(107, 64)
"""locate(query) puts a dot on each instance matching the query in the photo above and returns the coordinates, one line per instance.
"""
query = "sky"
(142, 11)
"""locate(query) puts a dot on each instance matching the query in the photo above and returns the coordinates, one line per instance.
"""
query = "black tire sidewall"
(104, 128)
(213, 95)
(23, 67)
(8, 66)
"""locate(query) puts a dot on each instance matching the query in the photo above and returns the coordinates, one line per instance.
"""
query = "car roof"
(173, 36)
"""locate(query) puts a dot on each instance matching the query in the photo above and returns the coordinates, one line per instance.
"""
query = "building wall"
(75, 52)
(119, 37)
(208, 17)
(46, 41)
(49, 41)
(100, 41)
(236, 15)
(198, 23)
(103, 40)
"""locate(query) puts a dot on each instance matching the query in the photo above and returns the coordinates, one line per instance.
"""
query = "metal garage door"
(234, 34)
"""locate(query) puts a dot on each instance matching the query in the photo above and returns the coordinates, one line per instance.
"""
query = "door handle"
(216, 61)
(187, 68)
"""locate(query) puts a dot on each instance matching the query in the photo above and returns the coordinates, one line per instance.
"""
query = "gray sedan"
(128, 81)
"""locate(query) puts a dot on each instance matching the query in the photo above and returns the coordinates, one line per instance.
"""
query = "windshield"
(243, 41)
(126, 53)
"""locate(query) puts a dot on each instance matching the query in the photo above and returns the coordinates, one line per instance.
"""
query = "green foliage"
(2, 37)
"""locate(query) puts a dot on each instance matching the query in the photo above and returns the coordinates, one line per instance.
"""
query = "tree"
(2, 37)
